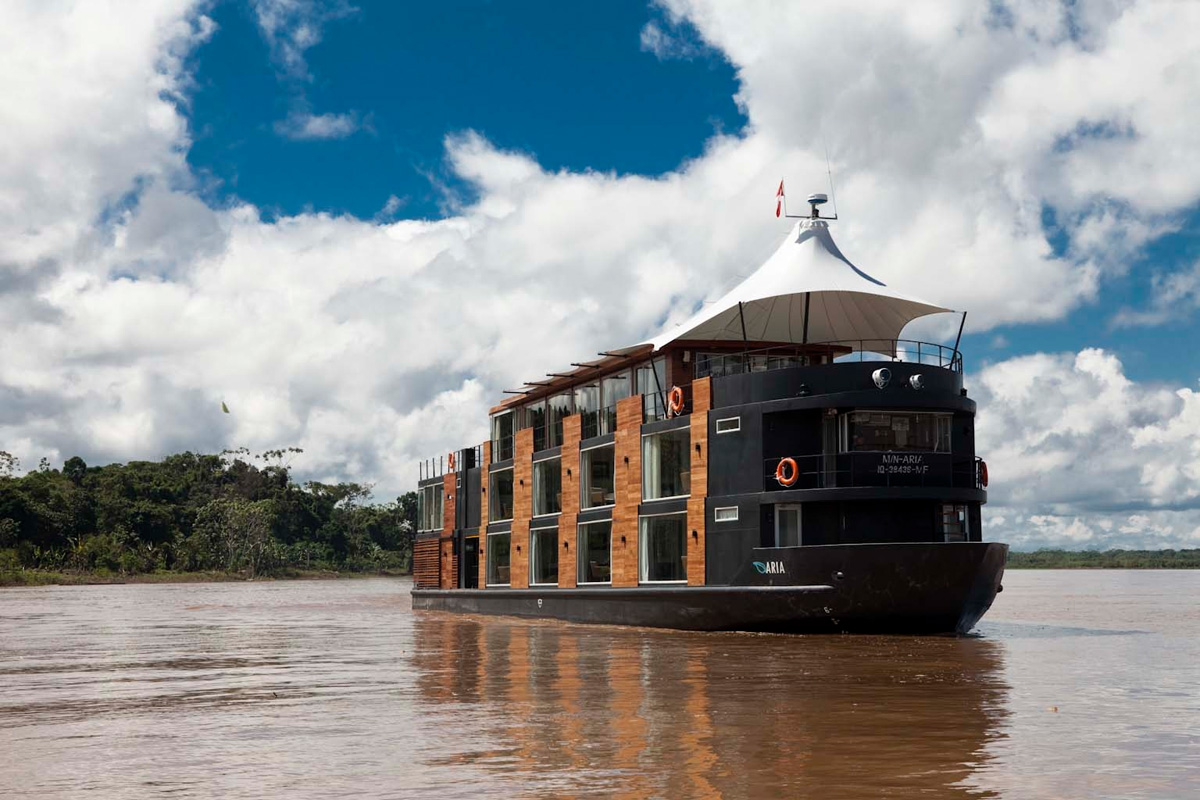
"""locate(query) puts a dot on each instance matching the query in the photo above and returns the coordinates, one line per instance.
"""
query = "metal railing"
(837, 352)
(440, 465)
(598, 422)
(657, 406)
(875, 469)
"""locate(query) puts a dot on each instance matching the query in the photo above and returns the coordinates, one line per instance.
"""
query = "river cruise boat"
(781, 461)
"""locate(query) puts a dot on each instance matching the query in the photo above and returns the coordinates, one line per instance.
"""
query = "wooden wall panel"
(449, 560)
(568, 520)
(522, 507)
(426, 569)
(628, 451)
(697, 517)
(483, 512)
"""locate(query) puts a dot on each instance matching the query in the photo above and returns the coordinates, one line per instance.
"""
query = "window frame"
(581, 552)
(642, 540)
(584, 484)
(939, 417)
(717, 513)
(688, 450)
(492, 473)
(737, 425)
(533, 500)
(487, 569)
(533, 531)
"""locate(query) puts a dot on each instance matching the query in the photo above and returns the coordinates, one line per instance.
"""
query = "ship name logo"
(770, 568)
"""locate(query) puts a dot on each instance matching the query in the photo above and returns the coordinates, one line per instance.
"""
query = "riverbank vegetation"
(232, 515)
(1107, 559)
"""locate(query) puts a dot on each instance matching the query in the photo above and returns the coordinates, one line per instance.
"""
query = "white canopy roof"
(845, 303)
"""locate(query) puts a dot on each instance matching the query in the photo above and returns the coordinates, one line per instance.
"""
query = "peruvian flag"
(779, 198)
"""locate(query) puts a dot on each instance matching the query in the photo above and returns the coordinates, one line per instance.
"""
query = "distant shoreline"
(1107, 559)
(36, 577)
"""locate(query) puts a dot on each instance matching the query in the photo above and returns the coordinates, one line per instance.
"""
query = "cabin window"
(535, 417)
(954, 523)
(502, 436)
(727, 514)
(666, 464)
(895, 430)
(543, 557)
(547, 486)
(652, 386)
(500, 495)
(587, 403)
(498, 558)
(729, 425)
(430, 508)
(597, 468)
(663, 544)
(558, 407)
(595, 552)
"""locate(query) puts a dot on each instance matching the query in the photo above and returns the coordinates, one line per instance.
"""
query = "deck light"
(916, 382)
(882, 377)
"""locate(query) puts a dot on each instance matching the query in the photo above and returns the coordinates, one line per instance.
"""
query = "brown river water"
(1076, 684)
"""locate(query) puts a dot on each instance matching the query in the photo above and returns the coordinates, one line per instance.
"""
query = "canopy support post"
(745, 339)
(807, 300)
(958, 338)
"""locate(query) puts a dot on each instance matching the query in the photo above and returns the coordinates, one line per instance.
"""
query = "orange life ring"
(450, 461)
(789, 478)
(983, 476)
(675, 404)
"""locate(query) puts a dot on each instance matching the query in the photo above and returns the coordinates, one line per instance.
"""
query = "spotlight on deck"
(882, 377)
(917, 382)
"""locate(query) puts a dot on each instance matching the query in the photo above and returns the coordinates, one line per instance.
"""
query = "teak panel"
(568, 568)
(522, 508)
(448, 578)
(628, 451)
(426, 569)
(696, 516)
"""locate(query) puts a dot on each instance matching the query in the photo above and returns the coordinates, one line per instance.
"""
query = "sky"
(356, 223)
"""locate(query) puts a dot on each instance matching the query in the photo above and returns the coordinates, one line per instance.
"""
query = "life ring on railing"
(790, 475)
(450, 462)
(983, 476)
(675, 402)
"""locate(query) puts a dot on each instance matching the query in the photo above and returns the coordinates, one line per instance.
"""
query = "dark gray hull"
(867, 588)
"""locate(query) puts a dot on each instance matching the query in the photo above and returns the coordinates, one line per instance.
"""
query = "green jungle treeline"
(1108, 559)
(220, 514)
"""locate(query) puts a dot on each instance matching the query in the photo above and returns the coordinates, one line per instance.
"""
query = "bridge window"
(895, 430)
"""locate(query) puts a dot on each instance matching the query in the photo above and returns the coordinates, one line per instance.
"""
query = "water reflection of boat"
(781, 461)
(572, 711)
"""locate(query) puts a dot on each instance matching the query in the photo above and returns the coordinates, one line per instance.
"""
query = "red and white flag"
(779, 198)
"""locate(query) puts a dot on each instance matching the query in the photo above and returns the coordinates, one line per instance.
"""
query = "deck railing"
(836, 352)
(438, 466)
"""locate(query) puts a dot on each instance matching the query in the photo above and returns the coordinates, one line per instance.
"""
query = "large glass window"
(535, 417)
(500, 495)
(502, 436)
(896, 430)
(597, 468)
(547, 486)
(666, 464)
(595, 552)
(663, 544)
(652, 385)
(613, 388)
(430, 508)
(559, 406)
(498, 552)
(543, 556)
(587, 403)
